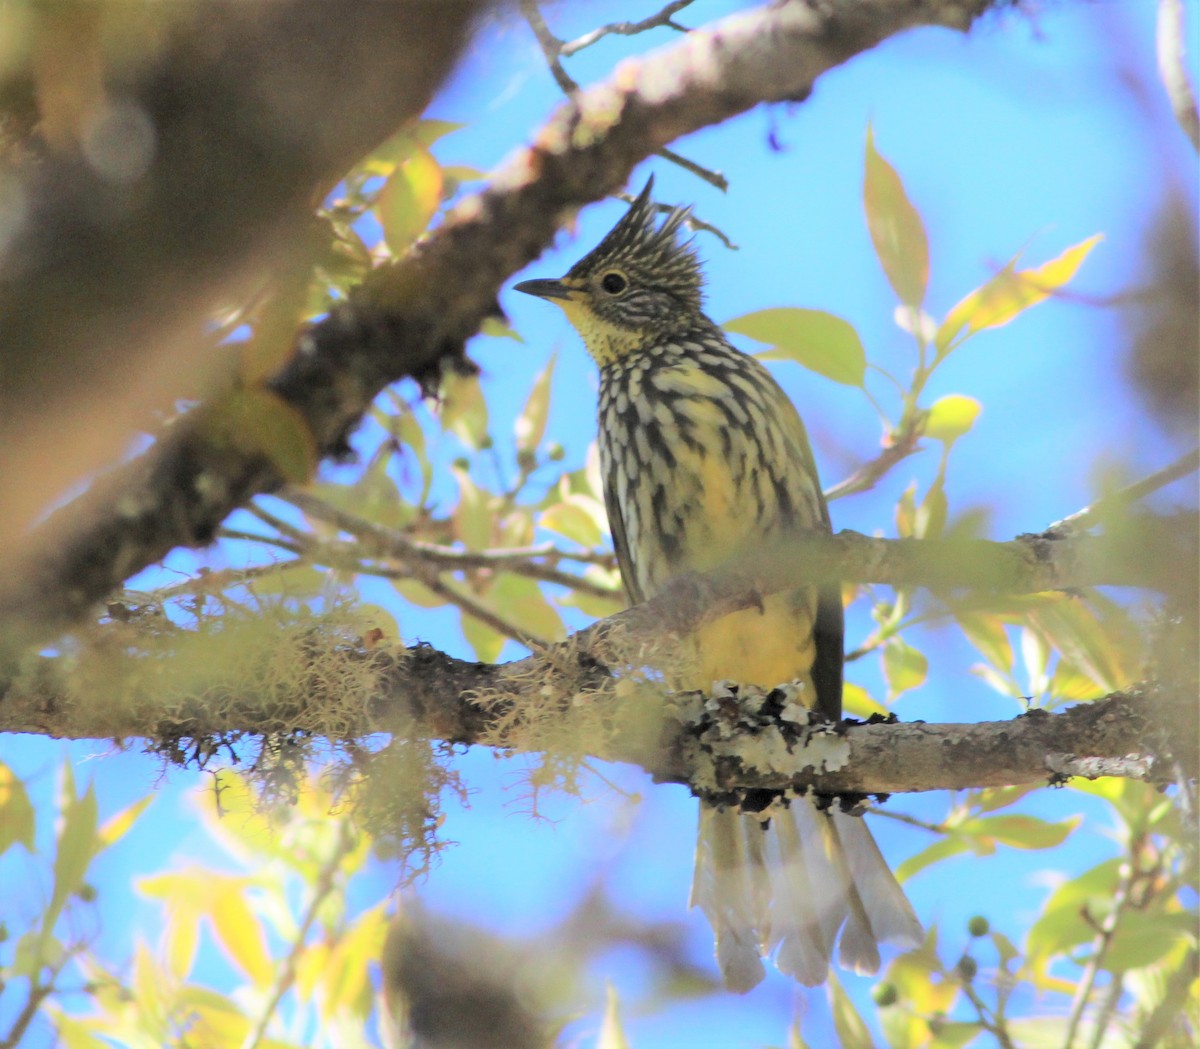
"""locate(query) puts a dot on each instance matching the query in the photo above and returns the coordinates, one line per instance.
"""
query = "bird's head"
(636, 286)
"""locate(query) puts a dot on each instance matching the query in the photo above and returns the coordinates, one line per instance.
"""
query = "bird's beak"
(544, 289)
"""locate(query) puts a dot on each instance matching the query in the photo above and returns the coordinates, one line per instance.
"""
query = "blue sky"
(1030, 135)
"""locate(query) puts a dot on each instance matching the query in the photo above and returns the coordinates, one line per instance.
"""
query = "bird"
(702, 454)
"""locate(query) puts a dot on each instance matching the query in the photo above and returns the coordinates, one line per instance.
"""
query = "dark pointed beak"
(544, 289)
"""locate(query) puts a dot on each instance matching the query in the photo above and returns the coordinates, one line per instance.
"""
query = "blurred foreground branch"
(413, 318)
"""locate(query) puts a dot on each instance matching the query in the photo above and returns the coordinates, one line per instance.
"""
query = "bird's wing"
(616, 525)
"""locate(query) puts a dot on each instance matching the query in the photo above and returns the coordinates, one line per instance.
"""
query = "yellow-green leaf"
(256, 419)
(819, 341)
(531, 423)
(1008, 293)
(409, 199)
(612, 1034)
(117, 826)
(464, 411)
(857, 702)
(76, 847)
(577, 517)
(238, 931)
(473, 517)
(486, 642)
(896, 228)
(16, 812)
(852, 1030)
(951, 416)
(418, 593)
(904, 667)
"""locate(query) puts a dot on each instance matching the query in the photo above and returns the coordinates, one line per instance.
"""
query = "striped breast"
(703, 455)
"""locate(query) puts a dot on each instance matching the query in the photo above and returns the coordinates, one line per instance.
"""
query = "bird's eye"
(613, 283)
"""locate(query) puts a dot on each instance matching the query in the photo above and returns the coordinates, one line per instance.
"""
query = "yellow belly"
(767, 647)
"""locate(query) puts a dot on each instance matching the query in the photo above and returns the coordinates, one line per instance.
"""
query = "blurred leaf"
(521, 602)
(1141, 939)
(989, 799)
(117, 826)
(531, 423)
(612, 1034)
(417, 593)
(931, 515)
(951, 416)
(815, 339)
(239, 932)
(577, 518)
(1061, 925)
(989, 635)
(497, 329)
(896, 228)
(215, 1019)
(464, 411)
(1096, 636)
(473, 518)
(906, 512)
(857, 702)
(409, 200)
(16, 812)
(592, 605)
(1018, 831)
(1008, 294)
(954, 1034)
(939, 850)
(904, 667)
(486, 642)
(256, 419)
(852, 1030)
(75, 849)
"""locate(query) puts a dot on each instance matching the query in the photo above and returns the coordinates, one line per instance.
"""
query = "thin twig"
(1083, 519)
(554, 50)
(904, 817)
(903, 443)
(325, 885)
(665, 17)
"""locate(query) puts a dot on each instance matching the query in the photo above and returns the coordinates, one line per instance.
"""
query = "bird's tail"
(792, 883)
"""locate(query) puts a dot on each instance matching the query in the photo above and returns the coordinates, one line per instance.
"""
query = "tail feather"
(791, 887)
(805, 943)
(891, 915)
(723, 887)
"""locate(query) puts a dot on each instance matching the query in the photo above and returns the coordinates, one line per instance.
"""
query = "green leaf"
(486, 642)
(464, 410)
(939, 850)
(1009, 293)
(612, 1034)
(904, 667)
(409, 200)
(16, 812)
(76, 847)
(1061, 924)
(417, 593)
(858, 703)
(497, 329)
(931, 514)
(521, 602)
(896, 228)
(473, 517)
(851, 1028)
(577, 517)
(531, 423)
(951, 416)
(989, 635)
(258, 420)
(815, 339)
(1019, 831)
(1142, 939)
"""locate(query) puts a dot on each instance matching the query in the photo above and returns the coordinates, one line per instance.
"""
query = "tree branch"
(409, 318)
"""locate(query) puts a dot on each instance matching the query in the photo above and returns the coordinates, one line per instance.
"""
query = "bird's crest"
(654, 254)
